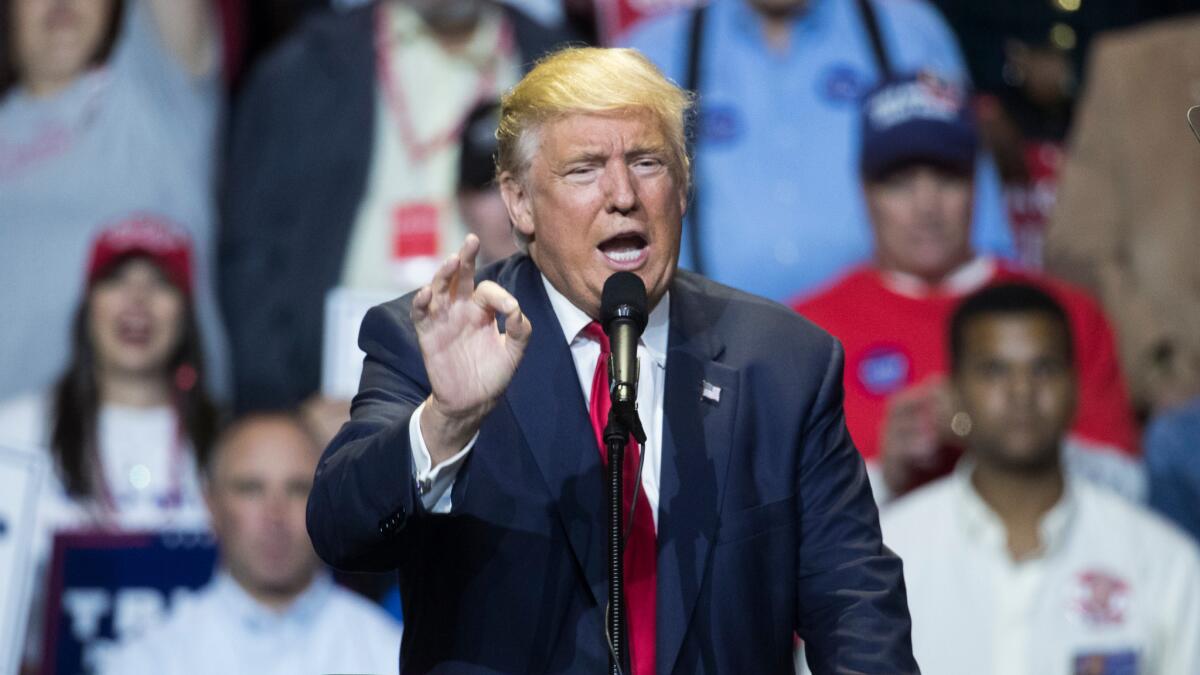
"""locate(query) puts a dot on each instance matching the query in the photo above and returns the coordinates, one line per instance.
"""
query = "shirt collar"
(981, 525)
(253, 615)
(573, 320)
(969, 277)
(748, 23)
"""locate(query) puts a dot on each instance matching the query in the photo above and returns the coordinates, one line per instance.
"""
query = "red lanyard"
(420, 150)
(170, 501)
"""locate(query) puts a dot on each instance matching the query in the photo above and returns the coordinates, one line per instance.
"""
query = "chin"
(1028, 461)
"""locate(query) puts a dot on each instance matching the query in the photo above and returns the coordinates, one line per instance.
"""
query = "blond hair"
(589, 80)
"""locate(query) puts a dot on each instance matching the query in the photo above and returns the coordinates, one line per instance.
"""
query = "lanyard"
(420, 149)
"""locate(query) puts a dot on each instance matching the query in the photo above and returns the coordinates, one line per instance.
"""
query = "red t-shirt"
(893, 341)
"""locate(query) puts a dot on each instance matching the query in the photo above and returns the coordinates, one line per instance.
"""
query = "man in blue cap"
(917, 168)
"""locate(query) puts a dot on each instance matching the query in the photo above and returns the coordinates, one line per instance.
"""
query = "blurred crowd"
(993, 207)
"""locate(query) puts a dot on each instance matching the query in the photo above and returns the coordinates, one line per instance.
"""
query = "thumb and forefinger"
(492, 297)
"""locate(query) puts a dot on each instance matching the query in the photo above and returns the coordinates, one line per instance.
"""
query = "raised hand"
(468, 360)
(916, 427)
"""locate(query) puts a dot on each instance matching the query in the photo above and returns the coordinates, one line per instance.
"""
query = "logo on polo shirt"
(1101, 598)
(884, 369)
(842, 83)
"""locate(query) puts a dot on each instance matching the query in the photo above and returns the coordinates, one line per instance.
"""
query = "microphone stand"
(623, 422)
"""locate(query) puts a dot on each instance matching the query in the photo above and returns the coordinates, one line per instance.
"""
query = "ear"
(518, 202)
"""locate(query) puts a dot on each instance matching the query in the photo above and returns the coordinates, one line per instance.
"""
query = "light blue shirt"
(222, 629)
(1173, 462)
(777, 175)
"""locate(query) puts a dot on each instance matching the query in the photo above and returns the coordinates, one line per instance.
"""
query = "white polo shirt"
(1113, 590)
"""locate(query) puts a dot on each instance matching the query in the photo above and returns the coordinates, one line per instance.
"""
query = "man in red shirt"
(917, 158)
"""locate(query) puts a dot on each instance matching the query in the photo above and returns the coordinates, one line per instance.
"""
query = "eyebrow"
(588, 156)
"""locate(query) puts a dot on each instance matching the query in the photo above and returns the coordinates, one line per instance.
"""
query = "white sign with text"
(341, 359)
(21, 475)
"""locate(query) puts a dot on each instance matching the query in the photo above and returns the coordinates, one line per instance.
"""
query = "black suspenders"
(692, 82)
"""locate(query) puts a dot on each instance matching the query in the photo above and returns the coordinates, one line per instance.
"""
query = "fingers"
(420, 304)
(465, 276)
(491, 297)
(443, 278)
(455, 278)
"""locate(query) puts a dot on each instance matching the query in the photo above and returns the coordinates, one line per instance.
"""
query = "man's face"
(921, 214)
(1017, 384)
(599, 197)
(257, 495)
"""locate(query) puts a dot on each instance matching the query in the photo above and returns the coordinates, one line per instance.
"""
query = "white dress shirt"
(1113, 588)
(435, 483)
(221, 629)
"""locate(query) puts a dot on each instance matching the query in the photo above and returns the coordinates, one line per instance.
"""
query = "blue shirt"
(781, 203)
(1172, 447)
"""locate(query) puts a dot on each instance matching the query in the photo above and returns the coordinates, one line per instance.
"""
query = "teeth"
(628, 255)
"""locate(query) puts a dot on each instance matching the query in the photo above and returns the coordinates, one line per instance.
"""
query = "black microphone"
(623, 315)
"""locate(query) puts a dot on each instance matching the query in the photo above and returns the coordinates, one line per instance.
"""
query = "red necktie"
(641, 553)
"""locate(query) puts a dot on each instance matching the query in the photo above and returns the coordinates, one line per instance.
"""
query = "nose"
(139, 290)
(620, 188)
(926, 195)
(276, 507)
(1021, 388)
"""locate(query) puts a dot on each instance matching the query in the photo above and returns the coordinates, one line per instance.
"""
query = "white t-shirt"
(149, 468)
(221, 629)
(138, 449)
(1114, 587)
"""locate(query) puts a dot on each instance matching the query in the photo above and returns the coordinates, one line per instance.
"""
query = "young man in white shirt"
(1014, 567)
(271, 608)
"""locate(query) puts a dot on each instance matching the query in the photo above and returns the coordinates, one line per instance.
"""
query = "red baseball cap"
(143, 235)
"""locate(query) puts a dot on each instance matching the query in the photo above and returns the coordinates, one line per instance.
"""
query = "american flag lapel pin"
(710, 392)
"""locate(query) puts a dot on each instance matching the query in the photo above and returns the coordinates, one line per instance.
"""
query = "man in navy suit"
(470, 464)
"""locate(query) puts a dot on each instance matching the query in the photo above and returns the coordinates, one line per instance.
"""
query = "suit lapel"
(547, 402)
(697, 440)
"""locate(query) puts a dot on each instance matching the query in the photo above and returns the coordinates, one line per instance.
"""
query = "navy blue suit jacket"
(766, 522)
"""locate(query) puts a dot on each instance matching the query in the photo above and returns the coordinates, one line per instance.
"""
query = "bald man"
(271, 608)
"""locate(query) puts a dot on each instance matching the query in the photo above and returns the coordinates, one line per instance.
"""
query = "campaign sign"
(20, 477)
(107, 587)
(341, 359)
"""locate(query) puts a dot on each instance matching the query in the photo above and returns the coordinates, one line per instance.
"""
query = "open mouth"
(134, 329)
(625, 249)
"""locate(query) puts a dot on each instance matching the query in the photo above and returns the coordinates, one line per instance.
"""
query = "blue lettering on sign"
(1113, 663)
(719, 123)
(883, 370)
(843, 83)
